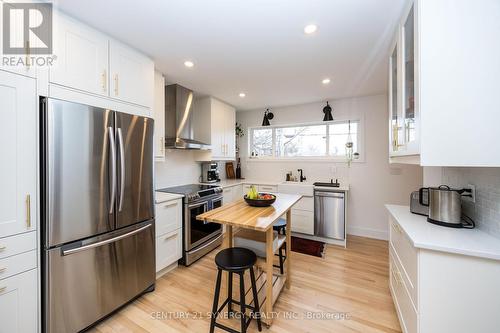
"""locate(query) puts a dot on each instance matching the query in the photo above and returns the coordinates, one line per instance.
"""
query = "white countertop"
(425, 235)
(162, 196)
(233, 182)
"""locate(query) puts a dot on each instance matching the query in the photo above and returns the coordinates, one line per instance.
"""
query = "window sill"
(302, 159)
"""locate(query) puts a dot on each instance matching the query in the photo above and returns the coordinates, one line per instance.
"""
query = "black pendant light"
(267, 116)
(327, 110)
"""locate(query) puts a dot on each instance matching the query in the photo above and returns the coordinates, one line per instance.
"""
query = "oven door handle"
(199, 204)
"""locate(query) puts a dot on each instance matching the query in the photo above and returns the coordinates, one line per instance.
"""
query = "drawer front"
(17, 264)
(404, 307)
(302, 221)
(18, 303)
(267, 188)
(305, 203)
(168, 216)
(168, 249)
(13, 245)
(404, 250)
(411, 287)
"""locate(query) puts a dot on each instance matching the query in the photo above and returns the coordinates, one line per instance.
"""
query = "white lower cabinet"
(18, 303)
(228, 195)
(303, 221)
(168, 249)
(441, 292)
(168, 233)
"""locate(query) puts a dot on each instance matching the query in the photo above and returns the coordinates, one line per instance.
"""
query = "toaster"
(415, 206)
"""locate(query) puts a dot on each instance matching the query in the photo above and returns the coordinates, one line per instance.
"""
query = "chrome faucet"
(302, 178)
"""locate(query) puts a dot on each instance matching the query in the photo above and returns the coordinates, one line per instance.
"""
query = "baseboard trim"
(368, 232)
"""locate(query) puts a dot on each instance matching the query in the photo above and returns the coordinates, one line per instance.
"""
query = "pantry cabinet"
(18, 198)
(221, 133)
(16, 63)
(159, 117)
(18, 303)
(92, 62)
(442, 88)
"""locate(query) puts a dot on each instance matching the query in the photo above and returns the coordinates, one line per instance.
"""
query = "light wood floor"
(352, 282)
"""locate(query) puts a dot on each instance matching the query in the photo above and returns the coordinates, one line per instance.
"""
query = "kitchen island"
(239, 214)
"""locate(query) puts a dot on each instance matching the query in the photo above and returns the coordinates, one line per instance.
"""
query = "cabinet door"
(132, 75)
(25, 67)
(82, 57)
(409, 109)
(159, 116)
(229, 132)
(395, 135)
(168, 249)
(19, 154)
(218, 129)
(228, 195)
(18, 303)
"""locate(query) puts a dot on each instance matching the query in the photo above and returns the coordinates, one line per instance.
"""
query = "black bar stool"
(235, 260)
(280, 227)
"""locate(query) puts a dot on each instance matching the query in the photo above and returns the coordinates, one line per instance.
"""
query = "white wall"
(373, 182)
(180, 167)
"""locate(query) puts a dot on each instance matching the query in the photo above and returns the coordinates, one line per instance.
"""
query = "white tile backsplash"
(486, 210)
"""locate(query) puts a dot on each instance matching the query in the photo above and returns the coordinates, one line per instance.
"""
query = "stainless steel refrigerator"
(97, 212)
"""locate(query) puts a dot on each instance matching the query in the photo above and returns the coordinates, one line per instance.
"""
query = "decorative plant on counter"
(239, 131)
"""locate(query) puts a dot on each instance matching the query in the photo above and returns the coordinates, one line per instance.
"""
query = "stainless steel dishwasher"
(329, 214)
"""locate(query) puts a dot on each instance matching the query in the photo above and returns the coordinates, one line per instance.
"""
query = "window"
(322, 140)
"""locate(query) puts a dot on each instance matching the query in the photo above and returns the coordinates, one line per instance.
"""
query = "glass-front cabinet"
(403, 108)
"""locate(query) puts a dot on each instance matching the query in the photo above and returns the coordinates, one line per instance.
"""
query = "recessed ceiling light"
(188, 64)
(242, 94)
(310, 28)
(326, 81)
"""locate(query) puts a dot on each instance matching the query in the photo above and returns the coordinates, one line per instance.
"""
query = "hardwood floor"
(351, 282)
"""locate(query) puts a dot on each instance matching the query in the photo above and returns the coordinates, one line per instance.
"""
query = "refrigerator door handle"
(104, 242)
(122, 168)
(113, 168)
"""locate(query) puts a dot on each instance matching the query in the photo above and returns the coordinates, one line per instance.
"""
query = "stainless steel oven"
(200, 237)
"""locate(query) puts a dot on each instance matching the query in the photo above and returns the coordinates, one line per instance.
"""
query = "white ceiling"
(256, 46)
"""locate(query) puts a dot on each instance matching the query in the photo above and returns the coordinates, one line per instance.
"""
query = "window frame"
(324, 158)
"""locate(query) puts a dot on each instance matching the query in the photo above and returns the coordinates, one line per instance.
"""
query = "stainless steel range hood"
(179, 129)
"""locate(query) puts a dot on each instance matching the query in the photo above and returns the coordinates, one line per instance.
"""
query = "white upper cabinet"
(221, 132)
(159, 116)
(82, 57)
(446, 84)
(18, 134)
(131, 75)
(92, 62)
(26, 67)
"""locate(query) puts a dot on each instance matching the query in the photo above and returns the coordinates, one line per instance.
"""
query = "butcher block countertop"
(240, 214)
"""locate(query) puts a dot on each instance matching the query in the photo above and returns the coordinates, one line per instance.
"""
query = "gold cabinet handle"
(162, 146)
(3, 269)
(116, 84)
(103, 80)
(28, 54)
(2, 289)
(28, 211)
(2, 248)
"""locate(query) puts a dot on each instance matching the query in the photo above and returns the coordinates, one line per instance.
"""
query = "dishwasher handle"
(329, 194)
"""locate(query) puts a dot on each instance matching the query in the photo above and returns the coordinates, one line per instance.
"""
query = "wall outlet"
(472, 197)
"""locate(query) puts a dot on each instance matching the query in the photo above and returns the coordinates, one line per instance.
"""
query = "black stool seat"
(235, 259)
(281, 223)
